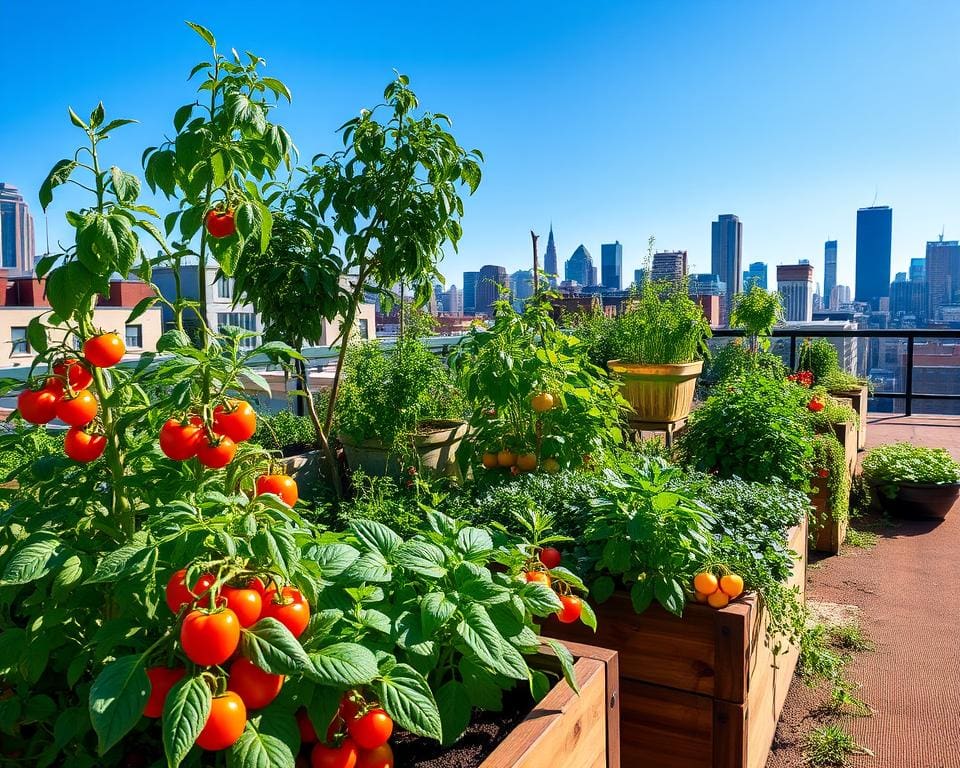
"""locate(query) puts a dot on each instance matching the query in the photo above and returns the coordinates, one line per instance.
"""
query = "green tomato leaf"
(185, 714)
(272, 647)
(117, 699)
(453, 702)
(566, 662)
(405, 695)
(342, 664)
(259, 750)
(31, 559)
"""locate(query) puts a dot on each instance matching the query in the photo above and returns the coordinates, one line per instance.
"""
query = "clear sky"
(614, 119)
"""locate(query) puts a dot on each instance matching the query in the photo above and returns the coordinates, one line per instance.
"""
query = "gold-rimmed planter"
(658, 393)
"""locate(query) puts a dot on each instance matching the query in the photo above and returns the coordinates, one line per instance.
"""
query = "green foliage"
(757, 311)
(819, 357)
(734, 360)
(832, 413)
(840, 381)
(647, 535)
(285, 432)
(502, 368)
(597, 333)
(830, 746)
(382, 500)
(388, 394)
(829, 455)
(661, 326)
(753, 428)
(889, 465)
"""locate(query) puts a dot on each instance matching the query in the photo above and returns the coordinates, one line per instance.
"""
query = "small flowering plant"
(803, 378)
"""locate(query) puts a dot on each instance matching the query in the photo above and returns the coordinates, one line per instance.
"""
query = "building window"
(244, 320)
(133, 336)
(224, 287)
(364, 326)
(18, 338)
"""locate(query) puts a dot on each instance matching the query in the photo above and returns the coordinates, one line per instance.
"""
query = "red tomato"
(256, 687)
(220, 223)
(571, 609)
(371, 729)
(538, 576)
(283, 486)
(79, 410)
(308, 734)
(210, 639)
(72, 371)
(291, 609)
(237, 420)
(550, 557)
(105, 350)
(38, 406)
(179, 441)
(344, 756)
(215, 455)
(246, 603)
(381, 757)
(162, 679)
(84, 446)
(349, 706)
(178, 595)
(225, 724)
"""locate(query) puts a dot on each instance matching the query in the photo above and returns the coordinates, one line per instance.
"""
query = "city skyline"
(849, 133)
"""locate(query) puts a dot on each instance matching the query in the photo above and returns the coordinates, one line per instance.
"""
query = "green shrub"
(889, 465)
(735, 359)
(661, 326)
(757, 311)
(819, 357)
(597, 333)
(829, 456)
(286, 432)
(754, 428)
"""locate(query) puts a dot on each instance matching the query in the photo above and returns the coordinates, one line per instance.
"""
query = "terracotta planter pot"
(925, 500)
(658, 393)
(858, 399)
(436, 447)
(829, 534)
(565, 730)
(701, 691)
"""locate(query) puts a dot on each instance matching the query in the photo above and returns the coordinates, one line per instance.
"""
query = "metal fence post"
(908, 400)
(793, 352)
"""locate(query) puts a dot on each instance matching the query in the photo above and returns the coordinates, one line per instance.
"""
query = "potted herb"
(818, 358)
(913, 481)
(657, 343)
(399, 408)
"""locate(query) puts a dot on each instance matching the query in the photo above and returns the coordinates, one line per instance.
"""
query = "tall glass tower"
(17, 247)
(470, 280)
(611, 266)
(727, 256)
(829, 269)
(874, 236)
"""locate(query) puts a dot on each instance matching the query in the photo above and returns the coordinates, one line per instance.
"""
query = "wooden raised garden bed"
(858, 399)
(565, 730)
(830, 533)
(847, 436)
(701, 691)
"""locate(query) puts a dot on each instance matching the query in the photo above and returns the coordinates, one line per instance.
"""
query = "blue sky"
(615, 120)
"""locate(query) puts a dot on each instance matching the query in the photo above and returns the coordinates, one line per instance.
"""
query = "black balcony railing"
(911, 335)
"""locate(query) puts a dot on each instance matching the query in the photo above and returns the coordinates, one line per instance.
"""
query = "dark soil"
(485, 733)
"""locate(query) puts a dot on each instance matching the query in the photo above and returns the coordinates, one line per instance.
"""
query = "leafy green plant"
(889, 465)
(597, 332)
(841, 381)
(819, 357)
(829, 459)
(832, 413)
(661, 326)
(534, 392)
(285, 432)
(647, 536)
(734, 360)
(830, 746)
(391, 395)
(754, 428)
(757, 311)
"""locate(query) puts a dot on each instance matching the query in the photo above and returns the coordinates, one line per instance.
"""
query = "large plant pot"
(925, 500)
(310, 470)
(858, 399)
(701, 691)
(658, 394)
(566, 730)
(828, 533)
(435, 445)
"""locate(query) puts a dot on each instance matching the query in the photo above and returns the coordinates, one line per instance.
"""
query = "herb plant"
(889, 465)
(757, 312)
(829, 458)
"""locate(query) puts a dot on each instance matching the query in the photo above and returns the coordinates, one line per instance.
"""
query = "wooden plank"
(564, 730)
(729, 735)
(664, 728)
(611, 663)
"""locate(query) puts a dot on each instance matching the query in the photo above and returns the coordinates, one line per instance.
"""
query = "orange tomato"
(706, 583)
(542, 402)
(527, 462)
(732, 585)
(718, 599)
(490, 460)
(506, 458)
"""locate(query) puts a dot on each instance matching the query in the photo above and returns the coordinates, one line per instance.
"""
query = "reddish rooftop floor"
(905, 588)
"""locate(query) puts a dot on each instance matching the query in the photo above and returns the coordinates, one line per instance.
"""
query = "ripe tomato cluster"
(357, 737)
(816, 405)
(210, 637)
(803, 378)
(65, 395)
(527, 461)
(549, 558)
(715, 592)
(214, 444)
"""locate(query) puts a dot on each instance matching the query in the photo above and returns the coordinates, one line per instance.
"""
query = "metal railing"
(910, 334)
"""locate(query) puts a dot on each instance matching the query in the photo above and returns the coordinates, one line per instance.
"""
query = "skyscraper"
(639, 275)
(550, 258)
(453, 301)
(829, 269)
(579, 266)
(943, 275)
(611, 265)
(756, 274)
(489, 281)
(918, 269)
(17, 246)
(874, 235)
(469, 300)
(727, 256)
(521, 287)
(670, 266)
(795, 284)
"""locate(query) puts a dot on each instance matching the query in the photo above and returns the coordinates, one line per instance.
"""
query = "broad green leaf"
(540, 599)
(453, 703)
(481, 686)
(272, 647)
(480, 634)
(37, 335)
(436, 609)
(334, 559)
(342, 664)
(184, 715)
(279, 547)
(474, 543)
(405, 695)
(205, 33)
(58, 175)
(30, 559)
(117, 699)
(259, 750)
(566, 662)
(421, 558)
(669, 594)
(539, 684)
(67, 285)
(602, 589)
(641, 595)
(376, 536)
